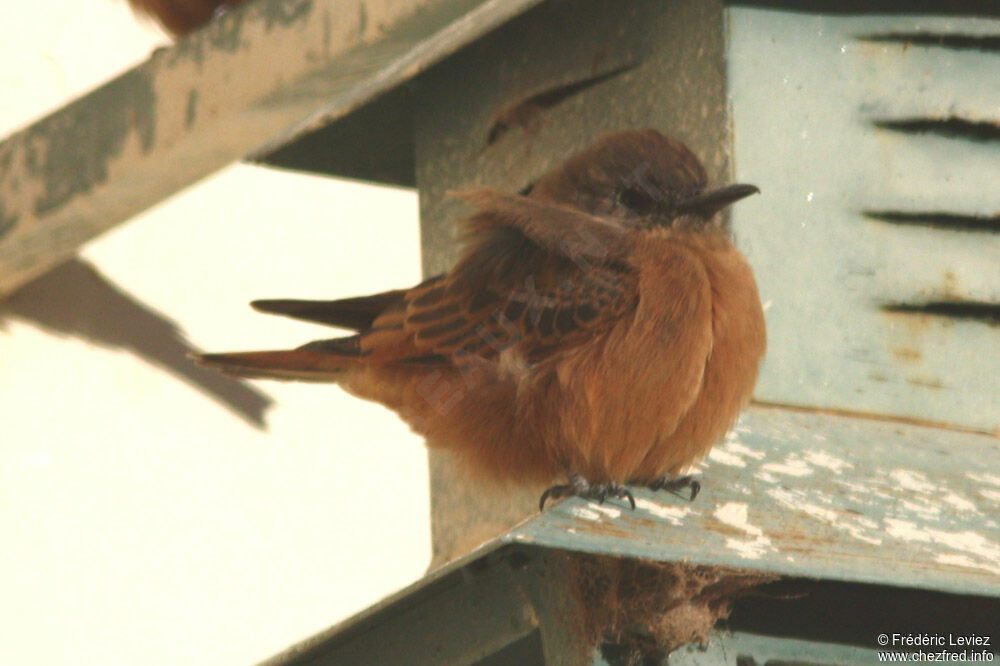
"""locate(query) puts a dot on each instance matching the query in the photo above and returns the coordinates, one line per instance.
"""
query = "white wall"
(143, 522)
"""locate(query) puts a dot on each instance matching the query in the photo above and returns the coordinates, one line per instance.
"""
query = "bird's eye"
(636, 200)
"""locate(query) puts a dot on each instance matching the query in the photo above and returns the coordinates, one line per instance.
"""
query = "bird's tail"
(292, 365)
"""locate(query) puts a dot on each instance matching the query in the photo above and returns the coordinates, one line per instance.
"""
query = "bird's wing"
(356, 314)
(565, 231)
(534, 276)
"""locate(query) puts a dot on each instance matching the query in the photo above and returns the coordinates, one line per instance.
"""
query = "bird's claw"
(580, 487)
(676, 485)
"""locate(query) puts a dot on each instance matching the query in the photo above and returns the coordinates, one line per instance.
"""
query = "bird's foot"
(674, 486)
(580, 487)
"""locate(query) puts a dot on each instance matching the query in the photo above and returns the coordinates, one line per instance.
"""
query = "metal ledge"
(252, 81)
(855, 529)
(820, 496)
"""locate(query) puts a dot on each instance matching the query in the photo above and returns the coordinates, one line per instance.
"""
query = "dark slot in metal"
(952, 128)
(943, 40)
(987, 313)
(937, 220)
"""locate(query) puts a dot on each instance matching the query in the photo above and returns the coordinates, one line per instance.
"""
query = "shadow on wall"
(75, 299)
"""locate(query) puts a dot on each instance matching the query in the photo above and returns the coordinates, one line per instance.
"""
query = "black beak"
(710, 202)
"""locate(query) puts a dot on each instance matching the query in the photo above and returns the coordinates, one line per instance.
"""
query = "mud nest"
(638, 611)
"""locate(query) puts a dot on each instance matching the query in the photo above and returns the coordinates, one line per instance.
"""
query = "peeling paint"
(921, 522)
(362, 18)
(792, 466)
(991, 479)
(959, 502)
(70, 151)
(739, 449)
(191, 113)
(956, 560)
(856, 526)
(607, 511)
(7, 222)
(820, 513)
(753, 549)
(860, 535)
(975, 548)
(226, 33)
(911, 480)
(924, 508)
(821, 459)
(674, 514)
(584, 513)
(864, 494)
(725, 458)
(284, 13)
(734, 514)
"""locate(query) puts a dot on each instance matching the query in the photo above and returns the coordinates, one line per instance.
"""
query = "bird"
(180, 17)
(600, 331)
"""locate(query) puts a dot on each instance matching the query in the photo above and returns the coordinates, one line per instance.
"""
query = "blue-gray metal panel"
(808, 93)
(817, 496)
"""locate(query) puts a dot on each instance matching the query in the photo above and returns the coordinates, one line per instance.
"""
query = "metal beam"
(799, 493)
(252, 81)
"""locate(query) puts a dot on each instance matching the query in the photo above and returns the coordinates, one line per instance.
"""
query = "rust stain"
(924, 381)
(914, 321)
(719, 527)
(870, 416)
(604, 528)
(951, 287)
(907, 354)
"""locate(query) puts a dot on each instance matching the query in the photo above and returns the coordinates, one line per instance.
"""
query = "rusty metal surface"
(817, 496)
(252, 80)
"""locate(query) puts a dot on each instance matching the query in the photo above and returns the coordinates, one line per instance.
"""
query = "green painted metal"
(875, 140)
(818, 496)
(253, 80)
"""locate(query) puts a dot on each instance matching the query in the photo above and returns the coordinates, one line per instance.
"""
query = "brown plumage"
(182, 16)
(602, 328)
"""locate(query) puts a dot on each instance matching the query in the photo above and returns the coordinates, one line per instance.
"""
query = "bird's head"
(642, 179)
